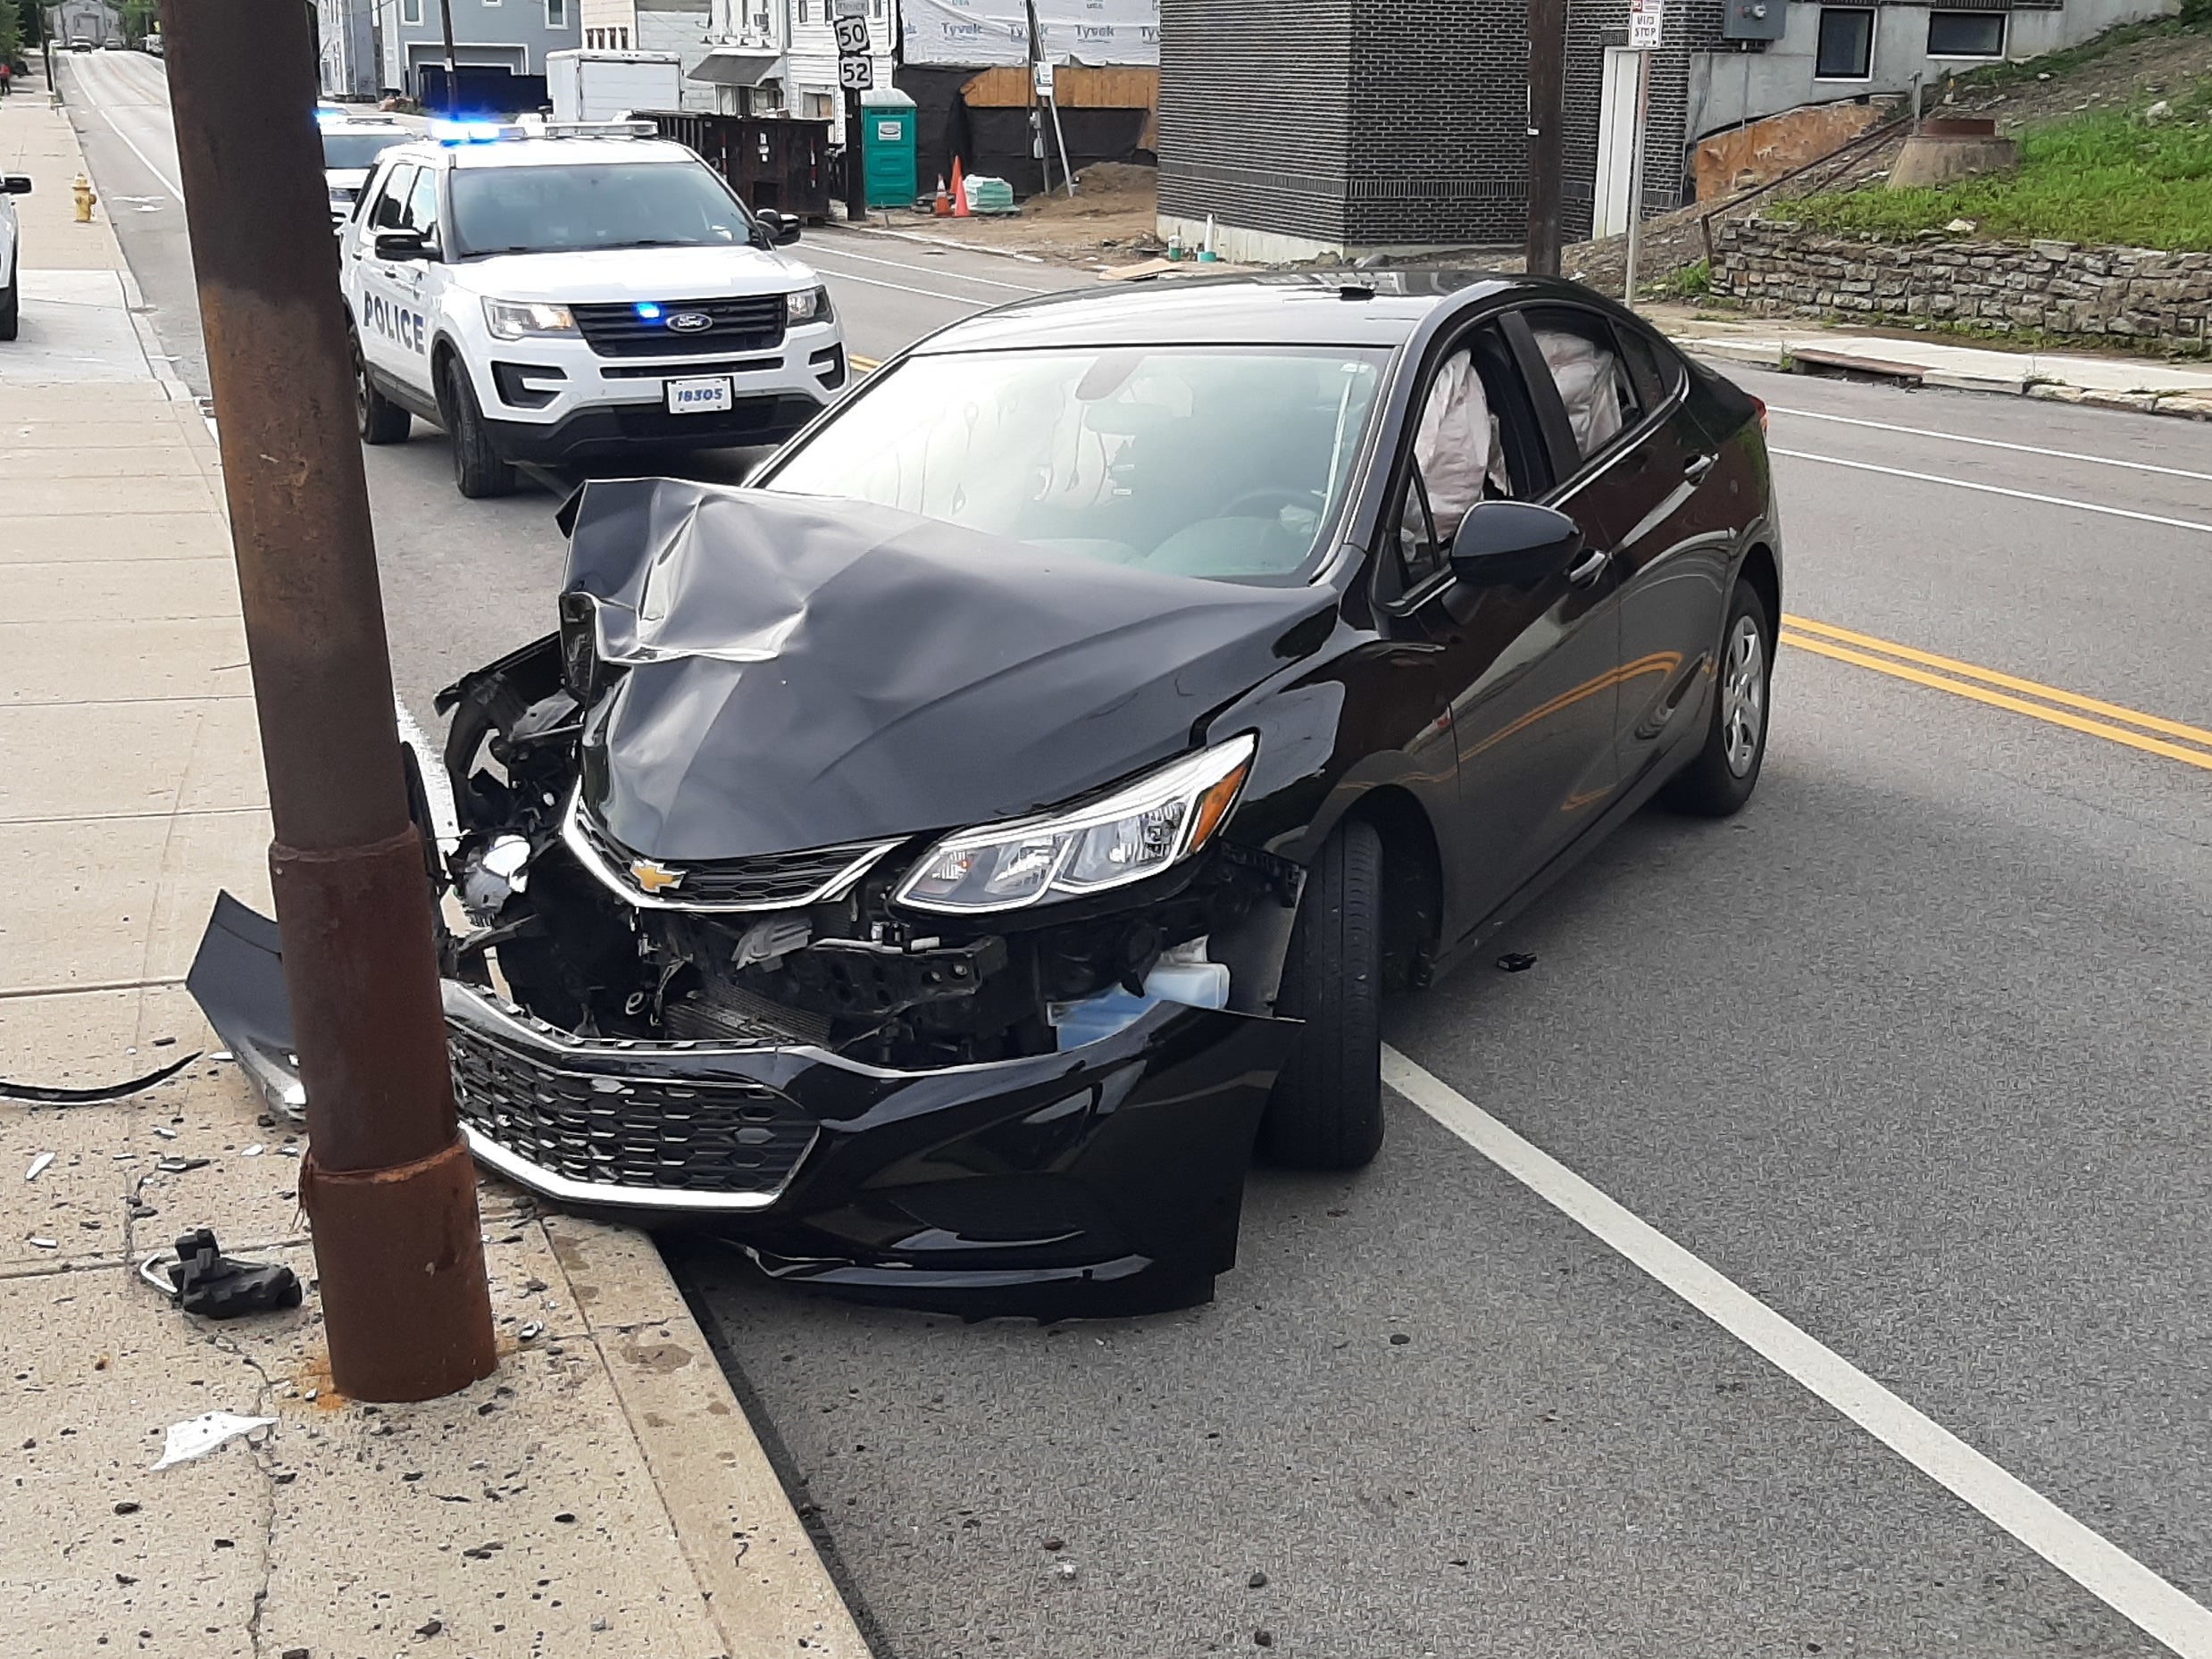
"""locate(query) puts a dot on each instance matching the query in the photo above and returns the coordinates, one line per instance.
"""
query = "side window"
(1656, 371)
(1593, 382)
(1477, 440)
(391, 203)
(422, 203)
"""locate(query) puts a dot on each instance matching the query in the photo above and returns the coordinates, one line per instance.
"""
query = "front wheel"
(11, 305)
(478, 471)
(1720, 779)
(1326, 1111)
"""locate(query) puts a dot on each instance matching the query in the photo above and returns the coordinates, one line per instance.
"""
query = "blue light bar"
(649, 310)
(465, 132)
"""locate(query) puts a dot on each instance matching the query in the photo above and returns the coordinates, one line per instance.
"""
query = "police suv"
(352, 141)
(550, 293)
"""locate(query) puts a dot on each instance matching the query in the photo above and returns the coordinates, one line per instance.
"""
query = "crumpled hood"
(806, 671)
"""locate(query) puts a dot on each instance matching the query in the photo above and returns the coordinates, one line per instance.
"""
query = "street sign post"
(1646, 26)
(855, 74)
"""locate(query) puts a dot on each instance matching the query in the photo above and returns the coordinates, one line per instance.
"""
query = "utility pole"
(453, 70)
(855, 73)
(1548, 94)
(387, 1180)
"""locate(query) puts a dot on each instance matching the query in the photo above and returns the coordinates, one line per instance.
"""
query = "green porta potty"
(886, 147)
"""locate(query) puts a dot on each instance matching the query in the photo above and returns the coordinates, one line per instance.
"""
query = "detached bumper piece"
(1105, 1180)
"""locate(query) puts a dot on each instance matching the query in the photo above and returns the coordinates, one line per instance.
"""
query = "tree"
(141, 18)
(11, 33)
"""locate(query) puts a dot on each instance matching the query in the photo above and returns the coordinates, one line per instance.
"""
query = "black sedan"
(938, 864)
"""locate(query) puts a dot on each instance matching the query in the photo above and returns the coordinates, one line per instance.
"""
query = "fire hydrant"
(84, 199)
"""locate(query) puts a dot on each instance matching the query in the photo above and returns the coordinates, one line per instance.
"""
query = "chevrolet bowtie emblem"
(652, 877)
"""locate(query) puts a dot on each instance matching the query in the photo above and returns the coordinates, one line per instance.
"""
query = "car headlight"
(1135, 832)
(807, 305)
(515, 320)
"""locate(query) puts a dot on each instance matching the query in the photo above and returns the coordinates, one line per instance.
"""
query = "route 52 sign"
(855, 74)
(852, 36)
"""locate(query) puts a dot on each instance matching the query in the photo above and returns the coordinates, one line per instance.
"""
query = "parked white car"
(551, 294)
(352, 141)
(12, 185)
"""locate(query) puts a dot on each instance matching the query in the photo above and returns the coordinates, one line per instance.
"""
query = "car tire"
(381, 419)
(11, 305)
(1326, 1110)
(1721, 776)
(478, 471)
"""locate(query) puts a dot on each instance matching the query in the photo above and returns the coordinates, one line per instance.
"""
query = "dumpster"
(770, 161)
(887, 121)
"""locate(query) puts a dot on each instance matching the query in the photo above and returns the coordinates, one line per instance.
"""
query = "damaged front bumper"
(1106, 1178)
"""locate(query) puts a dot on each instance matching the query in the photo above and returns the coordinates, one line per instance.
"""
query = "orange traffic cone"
(959, 192)
(942, 208)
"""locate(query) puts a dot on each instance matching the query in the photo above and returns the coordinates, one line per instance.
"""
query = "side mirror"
(15, 184)
(402, 245)
(782, 228)
(1504, 542)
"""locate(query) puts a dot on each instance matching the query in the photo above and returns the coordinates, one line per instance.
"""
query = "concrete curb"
(1775, 354)
(763, 1581)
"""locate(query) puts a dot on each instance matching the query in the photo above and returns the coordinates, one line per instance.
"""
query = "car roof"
(548, 152)
(1370, 308)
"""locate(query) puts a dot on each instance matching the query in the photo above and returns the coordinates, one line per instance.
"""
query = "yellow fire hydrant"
(84, 199)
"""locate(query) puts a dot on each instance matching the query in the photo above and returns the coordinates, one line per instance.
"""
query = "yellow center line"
(1998, 699)
(864, 364)
(1990, 676)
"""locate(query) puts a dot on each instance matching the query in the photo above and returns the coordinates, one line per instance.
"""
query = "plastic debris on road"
(38, 1166)
(196, 1437)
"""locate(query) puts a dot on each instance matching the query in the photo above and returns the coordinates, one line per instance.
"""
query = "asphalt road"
(1915, 1053)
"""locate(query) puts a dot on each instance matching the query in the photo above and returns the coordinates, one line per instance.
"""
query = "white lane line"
(1994, 489)
(115, 126)
(956, 276)
(872, 282)
(2114, 1577)
(1991, 443)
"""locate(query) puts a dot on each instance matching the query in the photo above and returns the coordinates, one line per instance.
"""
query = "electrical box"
(1754, 20)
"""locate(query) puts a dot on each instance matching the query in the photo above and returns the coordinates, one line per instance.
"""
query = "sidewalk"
(603, 1493)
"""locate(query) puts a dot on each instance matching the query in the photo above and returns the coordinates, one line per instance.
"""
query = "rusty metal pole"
(387, 1180)
(1548, 83)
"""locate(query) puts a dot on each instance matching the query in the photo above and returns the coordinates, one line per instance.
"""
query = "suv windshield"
(356, 152)
(1206, 461)
(597, 204)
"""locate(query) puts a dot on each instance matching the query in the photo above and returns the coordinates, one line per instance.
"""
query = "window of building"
(820, 105)
(1966, 34)
(411, 12)
(802, 10)
(556, 14)
(1847, 44)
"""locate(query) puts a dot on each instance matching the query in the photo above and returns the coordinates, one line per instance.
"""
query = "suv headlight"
(1135, 832)
(515, 320)
(807, 305)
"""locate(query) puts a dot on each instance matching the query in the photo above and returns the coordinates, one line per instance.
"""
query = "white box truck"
(606, 86)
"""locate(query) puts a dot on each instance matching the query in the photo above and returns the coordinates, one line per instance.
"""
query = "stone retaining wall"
(2140, 297)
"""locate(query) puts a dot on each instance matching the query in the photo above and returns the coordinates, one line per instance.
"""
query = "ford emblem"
(690, 322)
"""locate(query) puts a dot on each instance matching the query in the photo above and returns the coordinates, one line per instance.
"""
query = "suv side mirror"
(1513, 541)
(782, 228)
(15, 184)
(403, 244)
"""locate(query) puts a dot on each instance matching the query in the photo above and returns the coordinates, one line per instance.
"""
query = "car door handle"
(1697, 466)
(1590, 567)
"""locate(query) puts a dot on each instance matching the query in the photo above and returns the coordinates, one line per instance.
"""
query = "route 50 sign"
(855, 74)
(852, 36)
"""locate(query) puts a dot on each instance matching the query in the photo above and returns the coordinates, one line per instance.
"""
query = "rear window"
(1210, 461)
(356, 152)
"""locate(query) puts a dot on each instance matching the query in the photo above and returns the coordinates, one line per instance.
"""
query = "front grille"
(752, 323)
(770, 881)
(659, 370)
(718, 1136)
(751, 421)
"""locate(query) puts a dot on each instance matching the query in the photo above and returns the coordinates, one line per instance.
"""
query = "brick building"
(1350, 126)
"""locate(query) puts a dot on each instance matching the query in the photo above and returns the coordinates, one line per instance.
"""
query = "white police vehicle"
(552, 294)
(352, 141)
(12, 185)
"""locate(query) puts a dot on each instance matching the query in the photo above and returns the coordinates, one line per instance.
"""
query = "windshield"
(1204, 461)
(601, 204)
(356, 152)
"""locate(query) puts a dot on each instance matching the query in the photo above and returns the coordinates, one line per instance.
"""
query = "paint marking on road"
(1990, 443)
(864, 365)
(902, 287)
(2010, 682)
(2016, 704)
(2114, 1577)
(956, 276)
(1994, 489)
